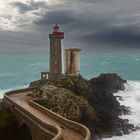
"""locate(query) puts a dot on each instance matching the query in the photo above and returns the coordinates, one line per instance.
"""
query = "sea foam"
(3, 91)
(131, 98)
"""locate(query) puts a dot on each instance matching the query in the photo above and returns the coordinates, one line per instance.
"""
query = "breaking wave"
(3, 91)
(131, 98)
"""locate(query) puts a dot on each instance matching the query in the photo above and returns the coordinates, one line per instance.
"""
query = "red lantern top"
(56, 30)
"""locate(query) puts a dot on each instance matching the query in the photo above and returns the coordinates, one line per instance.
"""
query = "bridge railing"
(54, 131)
(70, 124)
(20, 90)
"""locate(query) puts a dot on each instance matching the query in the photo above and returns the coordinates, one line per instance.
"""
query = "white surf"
(3, 91)
(131, 98)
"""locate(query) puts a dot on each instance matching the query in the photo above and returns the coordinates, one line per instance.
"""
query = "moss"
(64, 102)
(8, 125)
(5, 117)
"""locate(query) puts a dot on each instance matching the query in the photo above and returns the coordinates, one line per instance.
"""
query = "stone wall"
(39, 130)
(68, 123)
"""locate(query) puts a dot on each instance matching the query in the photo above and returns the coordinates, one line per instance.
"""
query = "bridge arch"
(25, 133)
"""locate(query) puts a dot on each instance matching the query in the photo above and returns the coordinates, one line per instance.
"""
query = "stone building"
(72, 66)
(72, 61)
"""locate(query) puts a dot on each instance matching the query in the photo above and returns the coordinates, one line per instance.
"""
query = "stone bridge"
(39, 123)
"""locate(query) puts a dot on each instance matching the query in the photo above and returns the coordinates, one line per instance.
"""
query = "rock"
(109, 82)
(1, 106)
(89, 102)
(8, 126)
(78, 85)
(118, 133)
(99, 93)
(119, 98)
(125, 110)
(66, 103)
(38, 83)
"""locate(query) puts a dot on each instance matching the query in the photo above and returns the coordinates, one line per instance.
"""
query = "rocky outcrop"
(99, 94)
(108, 82)
(67, 104)
(37, 83)
(89, 102)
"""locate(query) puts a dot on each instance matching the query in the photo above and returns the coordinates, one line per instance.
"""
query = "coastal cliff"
(90, 102)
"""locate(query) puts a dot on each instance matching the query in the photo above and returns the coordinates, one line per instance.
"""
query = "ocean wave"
(3, 91)
(34, 64)
(131, 98)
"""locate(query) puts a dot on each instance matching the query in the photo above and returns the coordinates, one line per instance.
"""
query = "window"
(55, 52)
(55, 43)
(55, 62)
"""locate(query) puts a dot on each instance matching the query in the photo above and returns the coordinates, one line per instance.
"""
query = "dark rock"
(118, 133)
(8, 126)
(125, 110)
(119, 98)
(38, 83)
(99, 93)
(109, 82)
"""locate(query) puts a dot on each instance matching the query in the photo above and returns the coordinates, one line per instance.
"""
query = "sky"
(87, 24)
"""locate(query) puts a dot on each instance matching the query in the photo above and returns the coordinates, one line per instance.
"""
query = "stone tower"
(72, 61)
(56, 53)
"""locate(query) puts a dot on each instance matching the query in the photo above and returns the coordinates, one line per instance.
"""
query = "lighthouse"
(56, 53)
(56, 66)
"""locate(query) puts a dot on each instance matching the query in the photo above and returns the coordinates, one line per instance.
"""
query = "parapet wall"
(54, 132)
(20, 90)
(58, 132)
(70, 124)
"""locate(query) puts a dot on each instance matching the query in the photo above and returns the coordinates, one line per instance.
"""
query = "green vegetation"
(4, 118)
(66, 103)
(8, 125)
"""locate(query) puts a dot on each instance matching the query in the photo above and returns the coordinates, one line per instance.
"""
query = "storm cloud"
(89, 24)
(52, 17)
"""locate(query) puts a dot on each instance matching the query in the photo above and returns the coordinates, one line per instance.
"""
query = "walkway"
(22, 100)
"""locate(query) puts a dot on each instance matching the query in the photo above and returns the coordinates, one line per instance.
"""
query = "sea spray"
(131, 98)
(3, 91)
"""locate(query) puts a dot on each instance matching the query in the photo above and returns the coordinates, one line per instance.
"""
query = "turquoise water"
(19, 69)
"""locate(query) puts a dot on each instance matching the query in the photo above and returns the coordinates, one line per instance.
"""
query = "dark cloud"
(60, 17)
(22, 41)
(112, 38)
(86, 23)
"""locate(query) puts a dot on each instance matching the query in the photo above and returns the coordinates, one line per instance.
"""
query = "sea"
(18, 69)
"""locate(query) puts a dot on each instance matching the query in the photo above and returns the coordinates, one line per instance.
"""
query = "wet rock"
(119, 98)
(109, 82)
(118, 133)
(125, 110)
